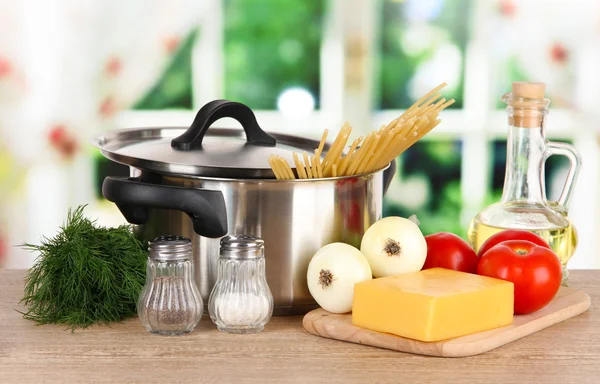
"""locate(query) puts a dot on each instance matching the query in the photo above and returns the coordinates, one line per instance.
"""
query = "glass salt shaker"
(241, 301)
(170, 302)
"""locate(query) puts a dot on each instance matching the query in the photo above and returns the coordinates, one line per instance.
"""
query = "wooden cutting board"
(569, 302)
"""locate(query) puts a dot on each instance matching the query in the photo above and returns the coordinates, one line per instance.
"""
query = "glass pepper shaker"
(241, 301)
(170, 302)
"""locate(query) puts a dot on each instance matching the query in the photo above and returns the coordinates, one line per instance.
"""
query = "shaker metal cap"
(170, 248)
(242, 247)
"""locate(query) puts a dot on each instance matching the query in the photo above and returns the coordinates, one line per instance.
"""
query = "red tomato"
(446, 250)
(534, 270)
(511, 234)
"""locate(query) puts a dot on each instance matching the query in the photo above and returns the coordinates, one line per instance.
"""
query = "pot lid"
(199, 151)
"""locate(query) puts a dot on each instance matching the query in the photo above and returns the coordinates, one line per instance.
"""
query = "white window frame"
(351, 99)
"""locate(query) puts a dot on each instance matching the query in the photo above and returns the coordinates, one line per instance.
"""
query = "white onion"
(394, 246)
(332, 273)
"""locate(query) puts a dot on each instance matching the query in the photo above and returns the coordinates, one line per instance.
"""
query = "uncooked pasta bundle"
(370, 153)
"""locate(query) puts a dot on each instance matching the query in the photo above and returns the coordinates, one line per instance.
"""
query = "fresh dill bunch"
(86, 274)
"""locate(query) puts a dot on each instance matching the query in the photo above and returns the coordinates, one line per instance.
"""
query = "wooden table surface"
(568, 352)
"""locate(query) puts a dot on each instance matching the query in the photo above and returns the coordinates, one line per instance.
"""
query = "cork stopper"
(528, 104)
(528, 90)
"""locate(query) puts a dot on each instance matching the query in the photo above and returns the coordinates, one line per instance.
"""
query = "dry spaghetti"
(370, 153)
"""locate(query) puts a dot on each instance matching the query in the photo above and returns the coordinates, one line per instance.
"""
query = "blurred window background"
(69, 70)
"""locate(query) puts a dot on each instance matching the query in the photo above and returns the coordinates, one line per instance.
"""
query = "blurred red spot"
(558, 53)
(3, 248)
(507, 7)
(5, 67)
(63, 141)
(68, 148)
(113, 66)
(171, 43)
(57, 134)
(107, 107)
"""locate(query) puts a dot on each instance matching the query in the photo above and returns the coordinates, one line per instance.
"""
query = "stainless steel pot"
(172, 183)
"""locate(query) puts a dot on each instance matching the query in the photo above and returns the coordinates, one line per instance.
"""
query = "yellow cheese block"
(433, 304)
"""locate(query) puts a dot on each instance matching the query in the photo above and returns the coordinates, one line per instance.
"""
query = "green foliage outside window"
(409, 46)
(271, 45)
(173, 89)
(439, 163)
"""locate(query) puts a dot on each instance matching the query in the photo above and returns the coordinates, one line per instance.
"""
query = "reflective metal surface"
(294, 218)
(242, 247)
(224, 152)
(170, 248)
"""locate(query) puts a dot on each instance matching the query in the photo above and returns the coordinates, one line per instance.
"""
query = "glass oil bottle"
(523, 204)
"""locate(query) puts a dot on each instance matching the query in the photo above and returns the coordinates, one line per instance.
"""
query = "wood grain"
(569, 302)
(284, 352)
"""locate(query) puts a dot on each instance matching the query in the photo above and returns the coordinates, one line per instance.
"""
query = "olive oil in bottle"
(563, 241)
(523, 204)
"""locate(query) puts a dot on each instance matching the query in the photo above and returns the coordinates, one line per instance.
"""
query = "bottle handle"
(571, 153)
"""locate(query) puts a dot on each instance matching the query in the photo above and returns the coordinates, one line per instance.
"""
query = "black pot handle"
(215, 110)
(388, 176)
(134, 199)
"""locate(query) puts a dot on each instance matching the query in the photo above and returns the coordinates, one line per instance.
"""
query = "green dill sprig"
(84, 275)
